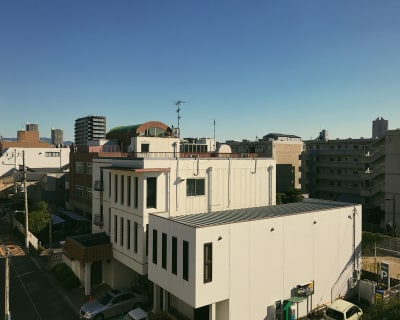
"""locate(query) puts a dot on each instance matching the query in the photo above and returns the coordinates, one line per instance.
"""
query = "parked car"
(137, 314)
(343, 310)
(113, 303)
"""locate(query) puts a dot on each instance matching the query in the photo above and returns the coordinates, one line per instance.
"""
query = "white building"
(237, 264)
(35, 158)
(158, 212)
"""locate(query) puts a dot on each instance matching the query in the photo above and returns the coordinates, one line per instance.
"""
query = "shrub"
(66, 276)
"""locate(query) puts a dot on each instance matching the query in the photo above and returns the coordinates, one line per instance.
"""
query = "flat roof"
(256, 213)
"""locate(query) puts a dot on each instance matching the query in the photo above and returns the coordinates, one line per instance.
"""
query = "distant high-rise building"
(379, 127)
(89, 128)
(57, 137)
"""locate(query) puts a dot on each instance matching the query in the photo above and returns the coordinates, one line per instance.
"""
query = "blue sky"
(255, 67)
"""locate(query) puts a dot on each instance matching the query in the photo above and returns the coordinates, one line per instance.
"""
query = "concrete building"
(286, 149)
(245, 263)
(379, 127)
(89, 128)
(57, 137)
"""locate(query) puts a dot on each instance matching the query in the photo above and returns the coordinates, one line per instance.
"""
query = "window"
(89, 193)
(109, 221)
(136, 197)
(207, 262)
(115, 229)
(128, 191)
(185, 264)
(89, 168)
(195, 187)
(121, 239)
(147, 240)
(79, 167)
(164, 251)
(115, 188)
(145, 147)
(78, 192)
(128, 230)
(135, 237)
(151, 192)
(109, 184)
(122, 189)
(174, 265)
(52, 154)
(154, 246)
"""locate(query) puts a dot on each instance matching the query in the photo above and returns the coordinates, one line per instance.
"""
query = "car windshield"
(105, 298)
(334, 314)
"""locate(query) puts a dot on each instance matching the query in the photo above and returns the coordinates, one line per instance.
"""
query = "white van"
(343, 310)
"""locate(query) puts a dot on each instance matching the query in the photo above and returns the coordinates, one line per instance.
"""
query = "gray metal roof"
(256, 213)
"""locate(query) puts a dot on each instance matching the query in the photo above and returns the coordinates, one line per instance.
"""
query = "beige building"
(284, 148)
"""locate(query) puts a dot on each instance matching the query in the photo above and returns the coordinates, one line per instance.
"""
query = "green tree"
(39, 217)
(290, 196)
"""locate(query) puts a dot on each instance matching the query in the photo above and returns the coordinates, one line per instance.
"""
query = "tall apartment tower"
(89, 128)
(379, 126)
(31, 127)
(57, 138)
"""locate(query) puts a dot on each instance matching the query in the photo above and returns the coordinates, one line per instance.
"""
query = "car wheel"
(99, 317)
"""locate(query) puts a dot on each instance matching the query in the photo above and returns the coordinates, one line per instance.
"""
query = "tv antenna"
(178, 110)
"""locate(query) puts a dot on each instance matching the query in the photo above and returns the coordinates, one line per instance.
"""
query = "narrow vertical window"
(154, 246)
(174, 261)
(147, 240)
(185, 262)
(115, 188)
(109, 184)
(122, 189)
(115, 229)
(135, 237)
(136, 197)
(128, 191)
(164, 251)
(207, 262)
(121, 240)
(128, 234)
(109, 221)
(151, 192)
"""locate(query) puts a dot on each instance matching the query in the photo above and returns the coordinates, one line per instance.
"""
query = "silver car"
(113, 303)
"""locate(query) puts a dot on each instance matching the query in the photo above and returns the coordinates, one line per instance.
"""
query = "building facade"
(284, 148)
(89, 128)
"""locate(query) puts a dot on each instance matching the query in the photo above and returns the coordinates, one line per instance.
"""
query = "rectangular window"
(135, 239)
(122, 189)
(128, 234)
(109, 221)
(121, 239)
(78, 192)
(174, 261)
(185, 262)
(164, 251)
(136, 198)
(207, 262)
(195, 187)
(89, 168)
(154, 246)
(151, 192)
(52, 154)
(109, 184)
(128, 191)
(145, 147)
(115, 188)
(147, 240)
(89, 193)
(115, 229)
(79, 167)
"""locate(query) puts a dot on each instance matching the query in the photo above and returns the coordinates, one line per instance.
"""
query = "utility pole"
(26, 205)
(7, 287)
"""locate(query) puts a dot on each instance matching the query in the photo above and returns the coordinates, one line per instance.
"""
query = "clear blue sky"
(255, 67)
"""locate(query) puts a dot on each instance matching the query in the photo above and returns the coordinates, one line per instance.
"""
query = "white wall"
(34, 158)
(253, 266)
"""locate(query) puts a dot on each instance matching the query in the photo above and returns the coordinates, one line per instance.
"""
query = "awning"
(56, 219)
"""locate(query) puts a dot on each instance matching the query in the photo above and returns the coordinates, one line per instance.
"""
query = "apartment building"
(89, 128)
(286, 149)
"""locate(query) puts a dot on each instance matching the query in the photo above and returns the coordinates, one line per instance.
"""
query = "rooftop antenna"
(178, 110)
(214, 134)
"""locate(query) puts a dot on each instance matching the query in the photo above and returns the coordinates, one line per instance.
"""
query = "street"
(32, 294)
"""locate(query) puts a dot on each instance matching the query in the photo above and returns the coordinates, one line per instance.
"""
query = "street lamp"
(393, 199)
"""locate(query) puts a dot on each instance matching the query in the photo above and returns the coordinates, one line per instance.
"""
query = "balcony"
(98, 220)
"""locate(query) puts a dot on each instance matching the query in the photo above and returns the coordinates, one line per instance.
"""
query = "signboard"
(385, 275)
(305, 290)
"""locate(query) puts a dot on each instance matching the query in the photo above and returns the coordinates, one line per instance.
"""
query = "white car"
(137, 314)
(343, 310)
(113, 303)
